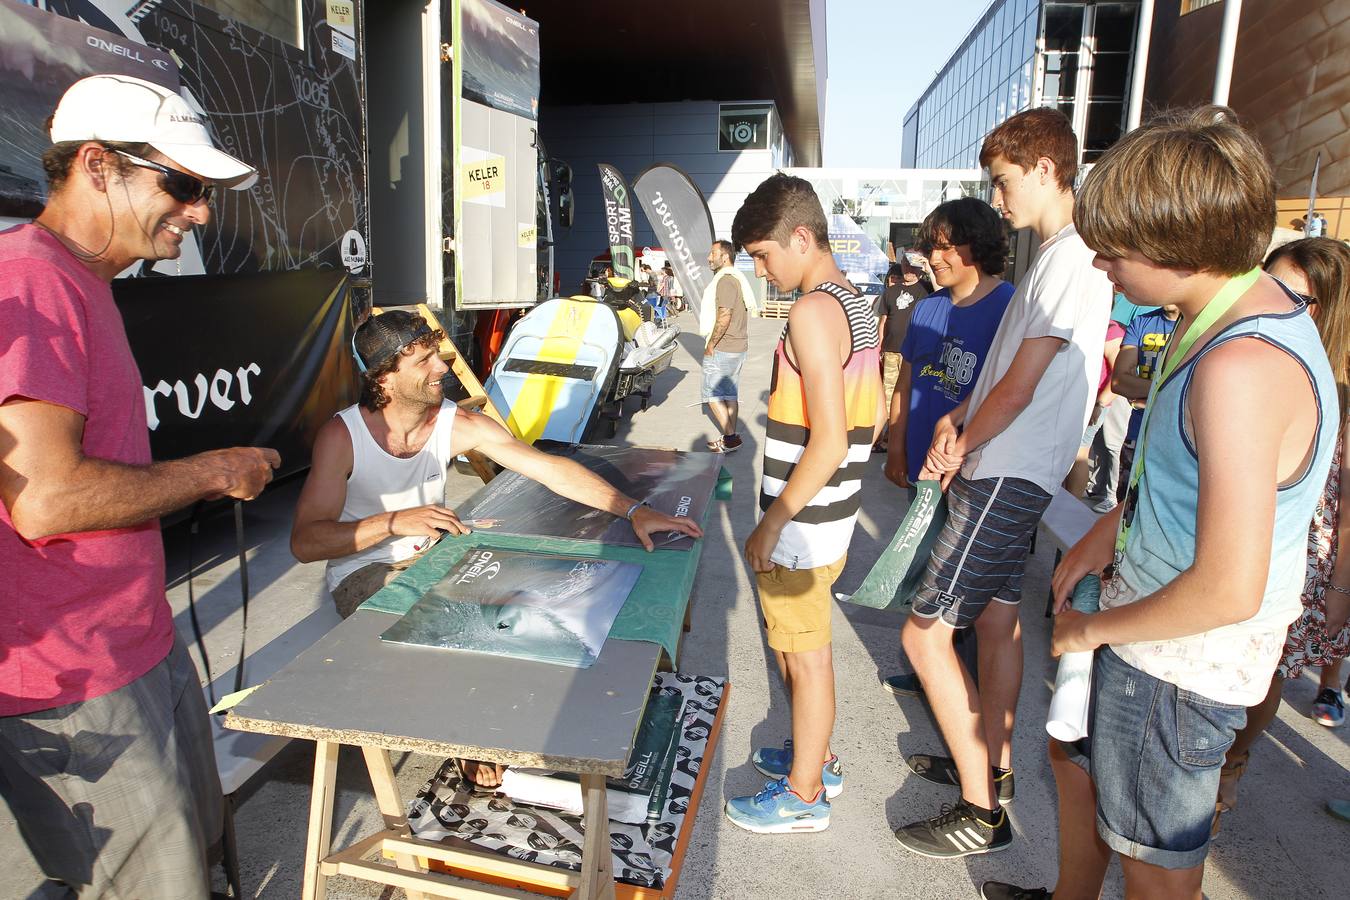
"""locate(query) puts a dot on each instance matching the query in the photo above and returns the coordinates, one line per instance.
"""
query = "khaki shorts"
(796, 604)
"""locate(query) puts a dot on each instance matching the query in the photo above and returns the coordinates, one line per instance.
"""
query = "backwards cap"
(383, 336)
(123, 109)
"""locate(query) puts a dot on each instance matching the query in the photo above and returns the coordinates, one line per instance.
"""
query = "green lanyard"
(1173, 354)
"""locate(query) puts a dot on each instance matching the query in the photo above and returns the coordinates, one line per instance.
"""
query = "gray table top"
(353, 688)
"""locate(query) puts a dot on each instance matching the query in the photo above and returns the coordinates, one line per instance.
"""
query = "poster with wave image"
(547, 608)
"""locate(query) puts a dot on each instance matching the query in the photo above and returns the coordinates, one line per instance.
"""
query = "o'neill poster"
(554, 609)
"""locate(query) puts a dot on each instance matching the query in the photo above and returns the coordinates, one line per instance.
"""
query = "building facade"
(708, 140)
(1290, 84)
(1074, 56)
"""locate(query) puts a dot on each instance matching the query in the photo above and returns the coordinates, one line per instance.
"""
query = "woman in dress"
(1318, 269)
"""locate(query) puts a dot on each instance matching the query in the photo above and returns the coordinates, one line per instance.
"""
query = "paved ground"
(1278, 844)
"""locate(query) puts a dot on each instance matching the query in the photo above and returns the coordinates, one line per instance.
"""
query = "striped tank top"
(820, 533)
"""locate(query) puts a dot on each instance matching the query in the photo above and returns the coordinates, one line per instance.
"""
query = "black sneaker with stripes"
(942, 770)
(956, 831)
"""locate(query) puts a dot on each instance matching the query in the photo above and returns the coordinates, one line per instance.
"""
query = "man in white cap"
(106, 757)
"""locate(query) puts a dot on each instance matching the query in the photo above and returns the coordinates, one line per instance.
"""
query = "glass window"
(1066, 107)
(1063, 27)
(279, 18)
(1103, 124)
(1114, 29)
(1190, 6)
(1109, 71)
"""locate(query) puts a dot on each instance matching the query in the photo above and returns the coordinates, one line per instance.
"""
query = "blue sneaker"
(778, 810)
(776, 763)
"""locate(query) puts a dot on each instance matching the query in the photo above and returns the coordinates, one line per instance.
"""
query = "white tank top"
(382, 483)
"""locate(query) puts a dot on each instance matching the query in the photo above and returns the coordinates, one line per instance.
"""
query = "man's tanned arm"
(317, 534)
(565, 477)
(51, 487)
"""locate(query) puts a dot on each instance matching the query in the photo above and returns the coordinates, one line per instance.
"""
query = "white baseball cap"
(131, 110)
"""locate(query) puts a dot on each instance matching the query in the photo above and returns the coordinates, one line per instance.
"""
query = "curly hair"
(58, 158)
(373, 394)
(967, 220)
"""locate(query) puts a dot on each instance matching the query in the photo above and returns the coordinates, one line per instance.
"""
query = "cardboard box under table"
(352, 688)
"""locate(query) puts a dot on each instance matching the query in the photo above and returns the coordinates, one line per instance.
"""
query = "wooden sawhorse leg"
(391, 805)
(597, 857)
(320, 820)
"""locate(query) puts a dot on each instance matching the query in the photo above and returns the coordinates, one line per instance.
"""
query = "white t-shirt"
(1062, 296)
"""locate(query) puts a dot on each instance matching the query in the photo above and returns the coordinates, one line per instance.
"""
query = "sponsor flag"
(618, 220)
(1312, 191)
(679, 215)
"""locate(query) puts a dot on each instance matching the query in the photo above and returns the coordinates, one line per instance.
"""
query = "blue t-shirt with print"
(1150, 333)
(1125, 312)
(945, 347)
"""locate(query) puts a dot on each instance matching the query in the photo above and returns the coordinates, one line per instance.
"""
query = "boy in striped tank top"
(825, 411)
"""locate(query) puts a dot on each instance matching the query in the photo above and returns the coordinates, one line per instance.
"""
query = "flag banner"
(679, 215)
(618, 221)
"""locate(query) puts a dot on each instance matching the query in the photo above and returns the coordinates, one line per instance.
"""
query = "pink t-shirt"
(1114, 332)
(84, 614)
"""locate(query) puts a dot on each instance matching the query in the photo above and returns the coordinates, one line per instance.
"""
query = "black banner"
(618, 220)
(261, 360)
(679, 215)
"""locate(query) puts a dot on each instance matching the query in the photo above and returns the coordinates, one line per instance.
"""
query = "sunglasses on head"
(177, 184)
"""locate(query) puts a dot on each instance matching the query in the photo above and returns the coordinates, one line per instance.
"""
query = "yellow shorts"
(796, 604)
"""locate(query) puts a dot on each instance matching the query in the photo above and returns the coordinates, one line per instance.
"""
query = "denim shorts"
(721, 374)
(1156, 751)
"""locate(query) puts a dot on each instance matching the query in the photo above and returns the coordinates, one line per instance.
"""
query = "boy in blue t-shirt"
(1145, 339)
(950, 331)
(945, 347)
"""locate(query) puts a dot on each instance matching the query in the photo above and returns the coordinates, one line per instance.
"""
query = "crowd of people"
(1144, 362)
(1207, 429)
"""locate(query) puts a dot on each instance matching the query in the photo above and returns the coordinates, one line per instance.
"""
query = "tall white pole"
(1140, 65)
(1228, 35)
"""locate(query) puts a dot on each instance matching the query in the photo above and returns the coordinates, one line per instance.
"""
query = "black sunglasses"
(177, 184)
(1308, 299)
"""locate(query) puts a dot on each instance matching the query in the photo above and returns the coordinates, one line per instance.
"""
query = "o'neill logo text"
(217, 388)
(683, 508)
(99, 43)
(482, 567)
(675, 242)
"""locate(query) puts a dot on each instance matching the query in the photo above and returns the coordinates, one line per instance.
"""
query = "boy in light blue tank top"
(1204, 559)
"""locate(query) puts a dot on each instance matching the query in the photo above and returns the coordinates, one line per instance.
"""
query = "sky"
(882, 55)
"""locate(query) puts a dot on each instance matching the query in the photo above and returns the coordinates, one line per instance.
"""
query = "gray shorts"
(118, 795)
(981, 551)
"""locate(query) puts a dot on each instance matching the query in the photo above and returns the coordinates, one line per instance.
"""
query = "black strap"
(193, 518)
(193, 523)
(243, 590)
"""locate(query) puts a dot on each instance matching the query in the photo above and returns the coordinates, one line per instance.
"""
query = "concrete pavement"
(1278, 843)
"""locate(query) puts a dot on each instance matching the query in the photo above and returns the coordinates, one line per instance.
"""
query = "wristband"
(1338, 589)
(634, 508)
